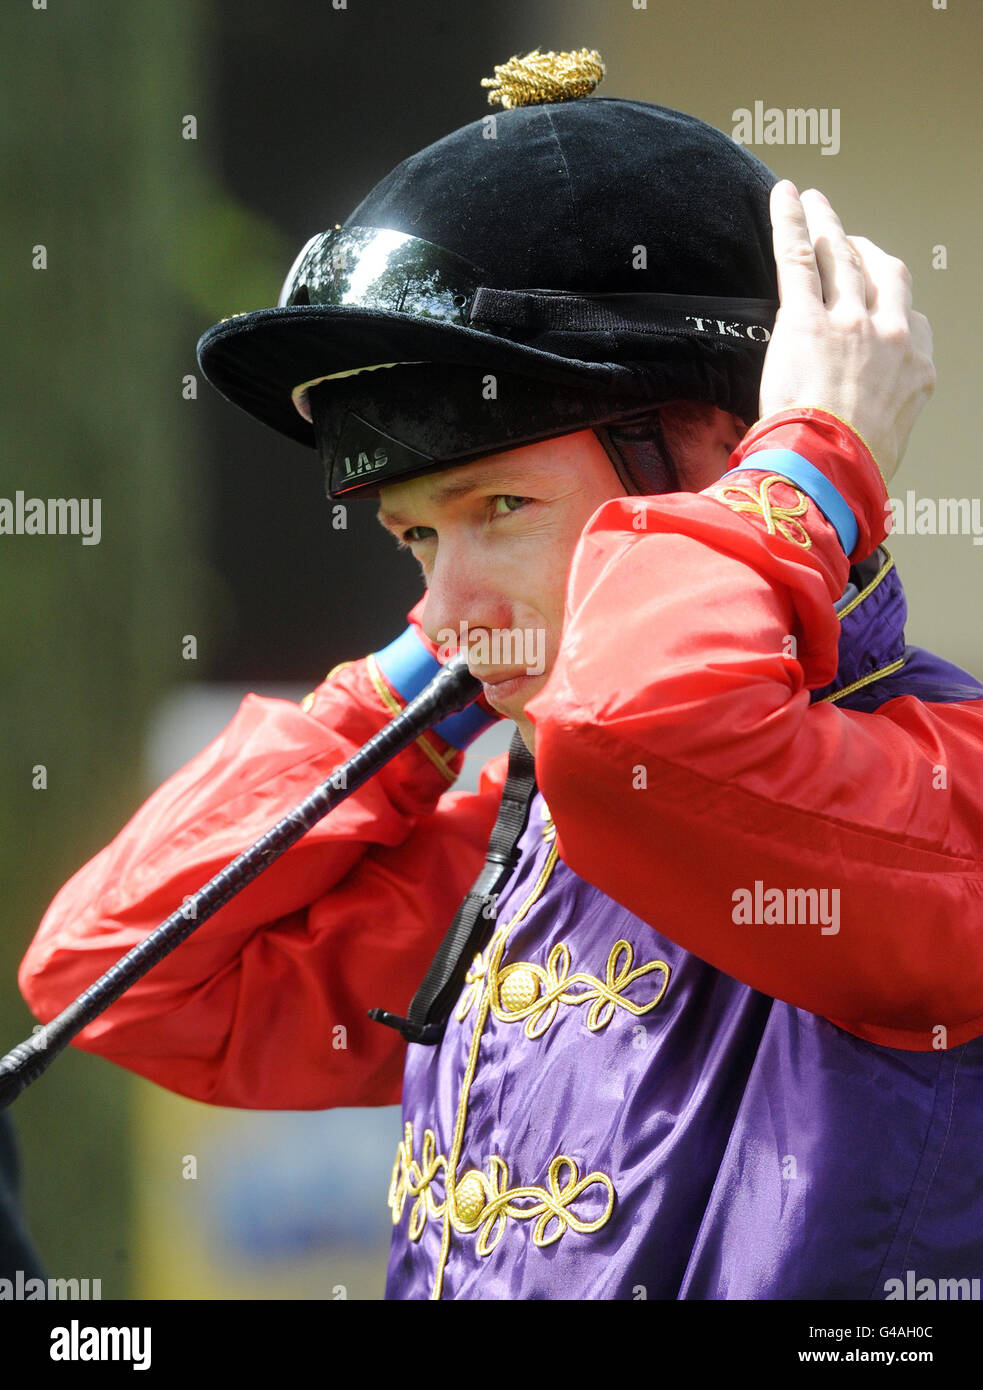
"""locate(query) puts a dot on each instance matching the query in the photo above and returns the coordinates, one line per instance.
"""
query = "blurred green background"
(215, 527)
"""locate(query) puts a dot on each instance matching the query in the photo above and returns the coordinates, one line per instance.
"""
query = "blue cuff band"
(813, 483)
(409, 667)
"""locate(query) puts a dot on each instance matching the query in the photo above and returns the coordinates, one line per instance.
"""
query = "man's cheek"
(537, 653)
(530, 689)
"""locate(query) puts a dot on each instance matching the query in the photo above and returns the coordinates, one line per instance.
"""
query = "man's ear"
(730, 430)
(703, 446)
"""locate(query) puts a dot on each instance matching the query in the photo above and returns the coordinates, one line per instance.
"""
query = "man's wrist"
(829, 461)
(813, 483)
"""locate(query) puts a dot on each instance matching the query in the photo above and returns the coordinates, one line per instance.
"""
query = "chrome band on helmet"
(375, 268)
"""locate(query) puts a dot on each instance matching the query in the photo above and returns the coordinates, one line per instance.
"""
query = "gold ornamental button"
(518, 989)
(469, 1198)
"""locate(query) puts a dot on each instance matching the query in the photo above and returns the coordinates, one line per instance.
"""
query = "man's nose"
(462, 592)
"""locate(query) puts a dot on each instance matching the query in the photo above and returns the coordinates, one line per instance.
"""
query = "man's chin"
(511, 700)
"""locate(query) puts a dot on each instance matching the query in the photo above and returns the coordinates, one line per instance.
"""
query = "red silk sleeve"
(265, 1005)
(682, 761)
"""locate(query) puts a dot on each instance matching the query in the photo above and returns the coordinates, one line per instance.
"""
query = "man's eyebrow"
(450, 492)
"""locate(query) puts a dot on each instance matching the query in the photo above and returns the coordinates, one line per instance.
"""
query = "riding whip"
(452, 689)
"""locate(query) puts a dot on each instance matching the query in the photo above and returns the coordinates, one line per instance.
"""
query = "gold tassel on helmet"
(544, 77)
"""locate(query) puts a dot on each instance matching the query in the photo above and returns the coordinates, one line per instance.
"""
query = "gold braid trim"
(307, 703)
(776, 518)
(847, 426)
(885, 569)
(482, 1202)
(539, 78)
(457, 1142)
(524, 990)
(392, 704)
(486, 1201)
(412, 1179)
(864, 680)
(882, 671)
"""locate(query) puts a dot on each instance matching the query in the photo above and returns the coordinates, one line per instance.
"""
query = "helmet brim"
(257, 360)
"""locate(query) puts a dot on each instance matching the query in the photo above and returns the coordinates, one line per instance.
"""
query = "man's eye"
(511, 502)
(510, 497)
(409, 538)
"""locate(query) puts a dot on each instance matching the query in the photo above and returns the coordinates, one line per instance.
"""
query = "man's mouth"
(497, 677)
(502, 685)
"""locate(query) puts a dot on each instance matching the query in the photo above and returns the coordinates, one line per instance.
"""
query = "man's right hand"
(846, 338)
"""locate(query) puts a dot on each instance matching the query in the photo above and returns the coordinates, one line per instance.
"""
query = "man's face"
(495, 539)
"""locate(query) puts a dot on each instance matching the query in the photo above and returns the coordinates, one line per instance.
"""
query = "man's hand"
(846, 338)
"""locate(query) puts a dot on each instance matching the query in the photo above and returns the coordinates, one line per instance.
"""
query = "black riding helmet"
(558, 266)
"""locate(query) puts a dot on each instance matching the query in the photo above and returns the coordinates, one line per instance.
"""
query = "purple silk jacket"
(610, 1117)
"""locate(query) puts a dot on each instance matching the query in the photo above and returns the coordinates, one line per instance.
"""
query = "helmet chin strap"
(640, 455)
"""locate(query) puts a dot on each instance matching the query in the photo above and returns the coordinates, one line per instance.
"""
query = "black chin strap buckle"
(427, 1033)
(431, 1005)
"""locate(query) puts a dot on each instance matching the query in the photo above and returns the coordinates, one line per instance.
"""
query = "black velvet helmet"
(554, 267)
